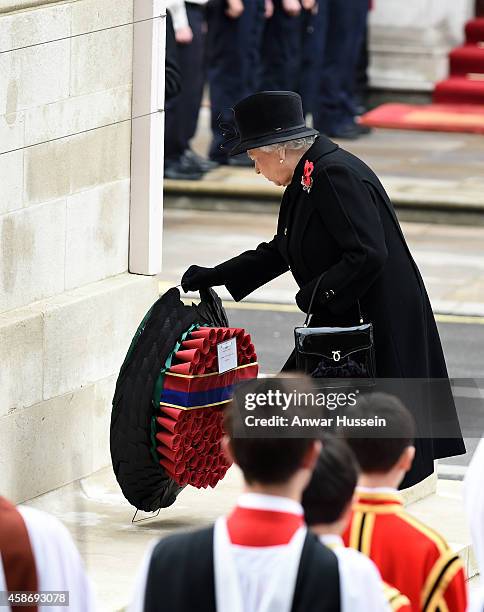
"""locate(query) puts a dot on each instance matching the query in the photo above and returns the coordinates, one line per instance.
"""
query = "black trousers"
(343, 25)
(182, 112)
(233, 62)
(282, 49)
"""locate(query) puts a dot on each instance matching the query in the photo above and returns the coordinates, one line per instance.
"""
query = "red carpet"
(465, 84)
(458, 102)
(433, 117)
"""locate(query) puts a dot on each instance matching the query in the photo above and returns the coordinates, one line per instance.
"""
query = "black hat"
(269, 117)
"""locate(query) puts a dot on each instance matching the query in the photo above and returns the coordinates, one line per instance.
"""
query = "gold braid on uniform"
(362, 532)
(396, 599)
(438, 580)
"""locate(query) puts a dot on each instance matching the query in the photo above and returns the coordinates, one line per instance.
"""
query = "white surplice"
(474, 504)
(361, 586)
(257, 579)
(58, 563)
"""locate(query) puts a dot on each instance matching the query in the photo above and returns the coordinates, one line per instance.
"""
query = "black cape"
(346, 226)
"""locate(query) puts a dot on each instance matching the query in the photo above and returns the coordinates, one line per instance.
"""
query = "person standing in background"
(342, 25)
(182, 112)
(282, 45)
(235, 29)
(327, 502)
(312, 52)
(382, 529)
(172, 69)
(361, 80)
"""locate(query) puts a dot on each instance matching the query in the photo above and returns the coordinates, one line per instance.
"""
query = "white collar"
(385, 490)
(275, 503)
(331, 539)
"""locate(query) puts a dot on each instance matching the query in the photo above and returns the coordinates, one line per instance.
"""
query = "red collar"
(256, 527)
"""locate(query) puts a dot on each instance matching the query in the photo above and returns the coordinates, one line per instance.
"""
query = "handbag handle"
(316, 287)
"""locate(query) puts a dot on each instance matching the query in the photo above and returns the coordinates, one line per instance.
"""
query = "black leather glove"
(196, 278)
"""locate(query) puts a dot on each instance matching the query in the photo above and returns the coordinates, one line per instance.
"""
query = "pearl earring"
(281, 161)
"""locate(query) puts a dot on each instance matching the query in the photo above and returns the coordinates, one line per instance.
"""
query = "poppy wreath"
(161, 437)
(191, 395)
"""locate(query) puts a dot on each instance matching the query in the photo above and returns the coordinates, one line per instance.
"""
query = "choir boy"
(410, 555)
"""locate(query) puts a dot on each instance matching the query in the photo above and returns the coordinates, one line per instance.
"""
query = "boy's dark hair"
(332, 484)
(264, 460)
(379, 454)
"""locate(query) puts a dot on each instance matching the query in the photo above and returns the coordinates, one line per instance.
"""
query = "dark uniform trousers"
(233, 62)
(282, 48)
(181, 576)
(312, 53)
(182, 112)
(342, 25)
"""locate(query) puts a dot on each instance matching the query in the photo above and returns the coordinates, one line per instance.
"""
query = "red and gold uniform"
(413, 558)
(396, 601)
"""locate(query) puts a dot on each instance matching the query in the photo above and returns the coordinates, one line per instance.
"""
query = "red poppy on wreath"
(306, 180)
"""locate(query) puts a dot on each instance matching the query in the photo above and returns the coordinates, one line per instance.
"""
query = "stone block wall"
(68, 307)
(410, 41)
(64, 204)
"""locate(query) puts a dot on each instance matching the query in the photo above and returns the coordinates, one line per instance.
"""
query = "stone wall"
(410, 41)
(68, 307)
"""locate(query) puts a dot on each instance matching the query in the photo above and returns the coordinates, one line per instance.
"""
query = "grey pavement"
(451, 258)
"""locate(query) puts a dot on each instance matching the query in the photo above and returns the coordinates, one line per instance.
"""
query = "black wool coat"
(345, 226)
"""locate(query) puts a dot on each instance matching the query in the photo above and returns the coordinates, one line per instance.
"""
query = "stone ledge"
(422, 490)
(406, 193)
(9, 6)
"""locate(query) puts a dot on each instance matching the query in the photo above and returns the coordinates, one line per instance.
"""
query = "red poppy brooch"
(306, 180)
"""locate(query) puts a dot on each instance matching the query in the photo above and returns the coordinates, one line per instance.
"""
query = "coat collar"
(322, 146)
(380, 501)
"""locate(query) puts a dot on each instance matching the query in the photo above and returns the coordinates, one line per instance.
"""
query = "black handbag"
(335, 352)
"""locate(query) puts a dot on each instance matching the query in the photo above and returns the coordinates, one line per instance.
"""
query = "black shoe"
(240, 161)
(199, 162)
(364, 129)
(351, 131)
(181, 170)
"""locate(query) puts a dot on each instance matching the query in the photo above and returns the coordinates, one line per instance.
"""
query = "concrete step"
(444, 512)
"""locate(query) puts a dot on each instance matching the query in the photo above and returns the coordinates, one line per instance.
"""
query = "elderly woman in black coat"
(335, 217)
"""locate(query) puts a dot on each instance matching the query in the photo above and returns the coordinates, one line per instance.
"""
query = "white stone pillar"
(410, 41)
(146, 212)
